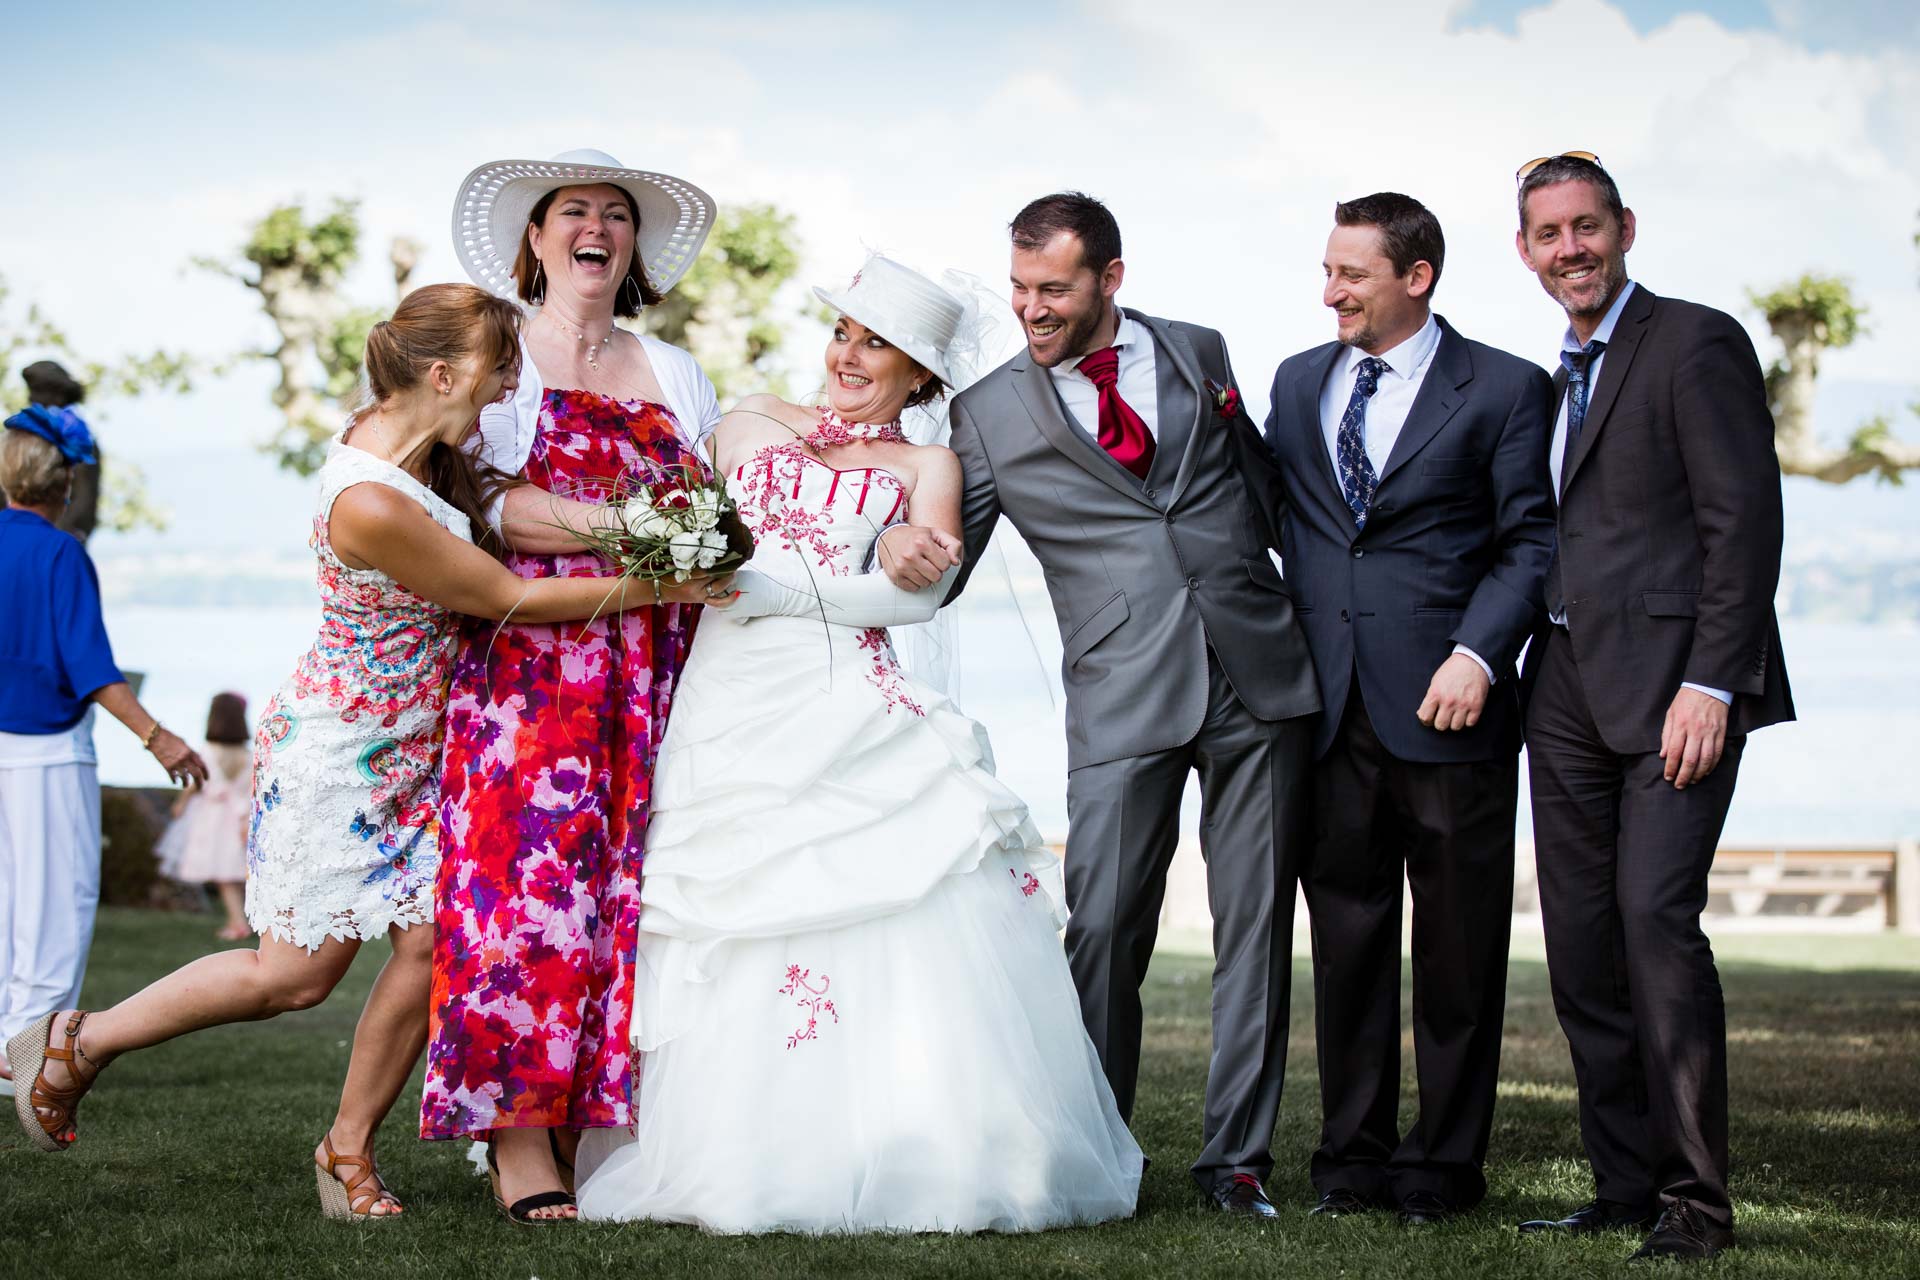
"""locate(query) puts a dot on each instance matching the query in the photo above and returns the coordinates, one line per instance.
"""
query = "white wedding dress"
(851, 1000)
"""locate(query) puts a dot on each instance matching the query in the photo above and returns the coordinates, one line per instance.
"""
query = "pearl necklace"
(594, 349)
(834, 429)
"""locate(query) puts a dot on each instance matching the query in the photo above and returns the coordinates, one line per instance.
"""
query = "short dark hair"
(1075, 211)
(1572, 169)
(636, 291)
(1408, 230)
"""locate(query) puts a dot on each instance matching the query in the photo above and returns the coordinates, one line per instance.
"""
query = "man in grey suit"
(1117, 446)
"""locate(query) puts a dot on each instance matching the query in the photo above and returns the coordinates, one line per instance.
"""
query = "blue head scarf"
(62, 428)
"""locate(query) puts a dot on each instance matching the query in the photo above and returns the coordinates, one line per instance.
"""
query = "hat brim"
(496, 200)
(924, 353)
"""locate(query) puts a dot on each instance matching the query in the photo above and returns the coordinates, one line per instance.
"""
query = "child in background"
(207, 841)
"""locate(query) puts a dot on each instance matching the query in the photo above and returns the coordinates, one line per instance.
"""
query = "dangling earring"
(537, 291)
(639, 298)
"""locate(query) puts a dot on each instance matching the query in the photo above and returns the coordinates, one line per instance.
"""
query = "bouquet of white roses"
(669, 532)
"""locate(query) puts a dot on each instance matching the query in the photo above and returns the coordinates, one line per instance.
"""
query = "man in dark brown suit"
(1661, 655)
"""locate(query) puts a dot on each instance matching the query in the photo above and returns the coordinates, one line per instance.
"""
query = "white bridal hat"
(490, 214)
(904, 307)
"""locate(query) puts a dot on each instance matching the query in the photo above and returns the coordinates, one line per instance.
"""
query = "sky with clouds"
(1755, 140)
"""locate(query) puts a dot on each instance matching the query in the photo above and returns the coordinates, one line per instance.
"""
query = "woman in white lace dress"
(851, 999)
(343, 838)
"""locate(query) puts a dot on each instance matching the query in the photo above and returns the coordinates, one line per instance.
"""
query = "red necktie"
(1122, 432)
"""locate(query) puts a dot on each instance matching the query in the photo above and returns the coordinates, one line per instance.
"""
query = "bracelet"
(146, 743)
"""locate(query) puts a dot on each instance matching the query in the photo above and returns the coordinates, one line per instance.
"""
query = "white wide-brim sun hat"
(904, 307)
(491, 212)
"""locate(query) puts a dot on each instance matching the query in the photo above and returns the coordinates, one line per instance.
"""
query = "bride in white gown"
(851, 1000)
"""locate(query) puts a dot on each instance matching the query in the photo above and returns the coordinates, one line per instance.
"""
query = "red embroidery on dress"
(885, 671)
(1028, 887)
(811, 998)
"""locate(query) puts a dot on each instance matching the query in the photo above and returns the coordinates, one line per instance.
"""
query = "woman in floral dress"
(343, 839)
(552, 731)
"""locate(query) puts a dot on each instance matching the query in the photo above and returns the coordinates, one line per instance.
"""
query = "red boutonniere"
(1226, 400)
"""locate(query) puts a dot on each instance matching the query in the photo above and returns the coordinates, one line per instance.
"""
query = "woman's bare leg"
(386, 1045)
(227, 986)
(233, 896)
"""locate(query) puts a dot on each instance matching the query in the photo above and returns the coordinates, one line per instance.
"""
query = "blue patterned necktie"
(1356, 469)
(1577, 364)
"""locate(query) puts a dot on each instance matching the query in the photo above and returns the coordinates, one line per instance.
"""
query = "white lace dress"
(343, 839)
(853, 1006)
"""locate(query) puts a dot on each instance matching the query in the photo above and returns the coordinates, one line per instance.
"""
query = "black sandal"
(523, 1209)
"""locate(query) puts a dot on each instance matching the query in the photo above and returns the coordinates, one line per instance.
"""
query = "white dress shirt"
(1392, 397)
(1137, 385)
(1387, 408)
(1557, 459)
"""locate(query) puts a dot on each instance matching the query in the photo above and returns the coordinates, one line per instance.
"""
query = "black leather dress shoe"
(1683, 1235)
(1243, 1194)
(1595, 1215)
(1340, 1202)
(1423, 1209)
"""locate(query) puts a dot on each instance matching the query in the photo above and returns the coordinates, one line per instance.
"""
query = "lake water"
(1847, 772)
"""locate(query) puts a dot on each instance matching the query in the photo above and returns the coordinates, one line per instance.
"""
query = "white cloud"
(1220, 133)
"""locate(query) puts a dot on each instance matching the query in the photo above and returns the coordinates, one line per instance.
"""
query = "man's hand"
(915, 557)
(1693, 737)
(1456, 695)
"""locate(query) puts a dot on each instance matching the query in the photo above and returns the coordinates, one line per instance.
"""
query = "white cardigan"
(505, 437)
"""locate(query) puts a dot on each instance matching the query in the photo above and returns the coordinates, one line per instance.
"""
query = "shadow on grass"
(194, 1158)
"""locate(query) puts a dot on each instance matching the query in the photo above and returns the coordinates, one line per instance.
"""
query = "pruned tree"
(723, 309)
(297, 267)
(1809, 316)
(125, 504)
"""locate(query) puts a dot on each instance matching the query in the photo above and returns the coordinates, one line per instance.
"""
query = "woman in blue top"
(55, 666)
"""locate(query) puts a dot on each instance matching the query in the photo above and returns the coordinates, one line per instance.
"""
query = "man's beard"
(1596, 292)
(1076, 339)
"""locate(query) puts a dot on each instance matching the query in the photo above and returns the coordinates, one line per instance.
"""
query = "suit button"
(1359, 552)
(1343, 615)
(1152, 493)
(1193, 584)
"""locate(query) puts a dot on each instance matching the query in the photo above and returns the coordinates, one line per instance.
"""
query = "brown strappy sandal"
(28, 1053)
(351, 1199)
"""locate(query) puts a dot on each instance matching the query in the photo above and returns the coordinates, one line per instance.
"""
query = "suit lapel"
(1559, 398)
(1179, 432)
(1439, 399)
(1313, 438)
(1614, 367)
(1034, 386)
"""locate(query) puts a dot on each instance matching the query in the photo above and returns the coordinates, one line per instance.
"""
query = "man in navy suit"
(1416, 536)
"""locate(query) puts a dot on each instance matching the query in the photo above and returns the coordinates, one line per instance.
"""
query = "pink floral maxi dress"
(552, 734)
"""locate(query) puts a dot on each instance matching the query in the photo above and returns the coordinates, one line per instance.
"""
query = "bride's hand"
(718, 591)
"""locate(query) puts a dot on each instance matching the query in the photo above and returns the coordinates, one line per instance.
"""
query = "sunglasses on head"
(1520, 174)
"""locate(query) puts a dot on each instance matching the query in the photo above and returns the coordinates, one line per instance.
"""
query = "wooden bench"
(1749, 877)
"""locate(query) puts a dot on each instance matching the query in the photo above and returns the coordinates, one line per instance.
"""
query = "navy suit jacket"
(1455, 550)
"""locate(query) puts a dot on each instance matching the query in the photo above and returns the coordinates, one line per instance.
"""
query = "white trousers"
(49, 887)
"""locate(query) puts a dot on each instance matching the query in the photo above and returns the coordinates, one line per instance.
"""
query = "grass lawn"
(195, 1160)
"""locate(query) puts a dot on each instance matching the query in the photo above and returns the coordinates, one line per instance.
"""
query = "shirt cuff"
(1482, 662)
(1721, 694)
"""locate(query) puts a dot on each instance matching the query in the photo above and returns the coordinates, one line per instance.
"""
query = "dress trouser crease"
(1447, 830)
(1123, 828)
(1623, 859)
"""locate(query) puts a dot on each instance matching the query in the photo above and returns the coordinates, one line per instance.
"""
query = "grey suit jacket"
(1146, 578)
